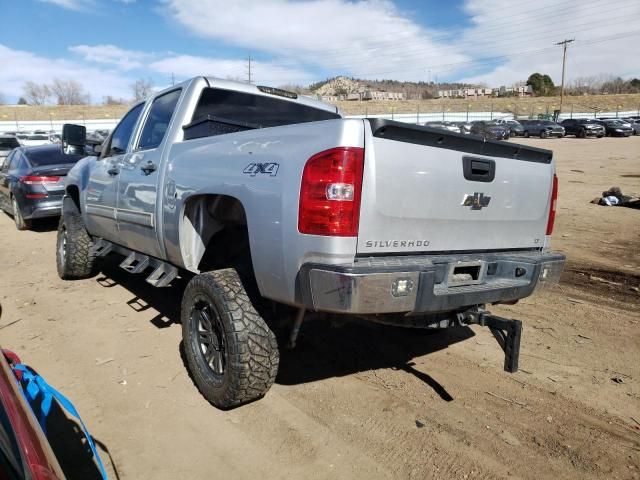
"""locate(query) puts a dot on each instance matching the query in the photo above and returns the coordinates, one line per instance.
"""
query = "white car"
(34, 140)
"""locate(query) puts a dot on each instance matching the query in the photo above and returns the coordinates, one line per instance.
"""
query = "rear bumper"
(33, 209)
(426, 284)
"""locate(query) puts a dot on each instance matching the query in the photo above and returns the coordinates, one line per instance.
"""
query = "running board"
(162, 275)
(135, 262)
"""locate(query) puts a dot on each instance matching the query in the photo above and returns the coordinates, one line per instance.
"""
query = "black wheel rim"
(208, 339)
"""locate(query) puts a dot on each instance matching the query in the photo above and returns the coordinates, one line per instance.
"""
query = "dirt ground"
(363, 401)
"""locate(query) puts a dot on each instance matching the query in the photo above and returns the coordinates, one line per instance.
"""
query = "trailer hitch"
(507, 333)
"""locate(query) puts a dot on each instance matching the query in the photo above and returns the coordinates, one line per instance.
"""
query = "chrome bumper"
(426, 283)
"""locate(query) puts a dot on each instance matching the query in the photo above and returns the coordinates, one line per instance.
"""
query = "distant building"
(364, 94)
(523, 91)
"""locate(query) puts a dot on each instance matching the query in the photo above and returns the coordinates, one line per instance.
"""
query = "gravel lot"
(355, 400)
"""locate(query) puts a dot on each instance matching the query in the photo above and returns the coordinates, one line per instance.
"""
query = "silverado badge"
(476, 201)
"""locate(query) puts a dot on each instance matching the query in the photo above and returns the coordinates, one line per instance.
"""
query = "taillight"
(36, 180)
(330, 193)
(552, 209)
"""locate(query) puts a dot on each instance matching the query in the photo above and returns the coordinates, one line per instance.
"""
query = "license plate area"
(466, 273)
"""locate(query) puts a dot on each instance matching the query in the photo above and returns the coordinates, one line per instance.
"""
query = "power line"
(564, 44)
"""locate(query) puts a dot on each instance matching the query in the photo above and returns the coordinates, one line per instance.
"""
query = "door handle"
(113, 171)
(148, 167)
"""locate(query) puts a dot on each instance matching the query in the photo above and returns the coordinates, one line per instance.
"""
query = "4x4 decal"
(267, 168)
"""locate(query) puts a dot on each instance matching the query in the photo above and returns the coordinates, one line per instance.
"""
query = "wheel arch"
(203, 216)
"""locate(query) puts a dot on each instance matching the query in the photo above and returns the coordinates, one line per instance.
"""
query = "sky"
(107, 45)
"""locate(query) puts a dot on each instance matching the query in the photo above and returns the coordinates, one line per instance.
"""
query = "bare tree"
(109, 100)
(69, 92)
(36, 94)
(142, 89)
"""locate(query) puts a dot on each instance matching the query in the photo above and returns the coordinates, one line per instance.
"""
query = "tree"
(542, 85)
(36, 94)
(109, 100)
(22, 101)
(69, 92)
(142, 89)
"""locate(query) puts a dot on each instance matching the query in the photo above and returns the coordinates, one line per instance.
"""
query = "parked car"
(465, 127)
(583, 127)
(36, 139)
(515, 128)
(490, 130)
(7, 143)
(616, 128)
(448, 126)
(278, 206)
(32, 182)
(634, 123)
(542, 128)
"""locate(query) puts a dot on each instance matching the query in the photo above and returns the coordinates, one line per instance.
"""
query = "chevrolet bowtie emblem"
(476, 201)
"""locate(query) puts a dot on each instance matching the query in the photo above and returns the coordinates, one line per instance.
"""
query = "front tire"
(582, 133)
(231, 352)
(525, 134)
(74, 259)
(21, 223)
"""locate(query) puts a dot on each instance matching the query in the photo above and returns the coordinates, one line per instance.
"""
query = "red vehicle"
(24, 449)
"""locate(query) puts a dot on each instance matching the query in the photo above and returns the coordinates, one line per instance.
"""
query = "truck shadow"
(326, 347)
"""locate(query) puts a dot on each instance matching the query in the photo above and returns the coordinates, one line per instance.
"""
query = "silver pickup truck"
(275, 205)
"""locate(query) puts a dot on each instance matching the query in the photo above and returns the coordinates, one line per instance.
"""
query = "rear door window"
(157, 122)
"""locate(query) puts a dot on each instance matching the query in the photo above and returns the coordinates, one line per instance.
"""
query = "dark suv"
(583, 127)
(490, 130)
(542, 128)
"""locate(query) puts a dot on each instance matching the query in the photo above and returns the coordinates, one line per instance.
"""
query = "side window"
(157, 122)
(121, 135)
(14, 161)
(7, 160)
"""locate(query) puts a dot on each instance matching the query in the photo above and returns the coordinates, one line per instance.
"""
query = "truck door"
(100, 194)
(139, 178)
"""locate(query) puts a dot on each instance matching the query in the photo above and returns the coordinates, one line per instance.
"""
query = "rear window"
(226, 111)
(37, 137)
(43, 158)
(9, 143)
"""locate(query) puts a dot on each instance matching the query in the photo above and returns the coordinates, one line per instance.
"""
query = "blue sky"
(108, 44)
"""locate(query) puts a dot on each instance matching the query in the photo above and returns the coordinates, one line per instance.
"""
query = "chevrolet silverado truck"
(273, 205)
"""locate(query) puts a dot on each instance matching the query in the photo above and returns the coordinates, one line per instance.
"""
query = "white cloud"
(71, 4)
(540, 26)
(27, 66)
(367, 38)
(111, 55)
(185, 66)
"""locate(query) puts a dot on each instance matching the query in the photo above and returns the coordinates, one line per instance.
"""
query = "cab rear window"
(226, 111)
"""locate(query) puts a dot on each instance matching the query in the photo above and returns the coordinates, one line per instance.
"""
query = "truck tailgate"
(426, 190)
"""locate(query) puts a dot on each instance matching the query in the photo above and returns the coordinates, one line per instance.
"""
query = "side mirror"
(74, 135)
(97, 149)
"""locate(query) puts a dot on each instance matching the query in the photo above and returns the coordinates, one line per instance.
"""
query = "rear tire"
(231, 352)
(525, 134)
(543, 134)
(21, 223)
(74, 259)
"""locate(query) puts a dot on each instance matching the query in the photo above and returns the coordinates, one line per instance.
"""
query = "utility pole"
(564, 44)
(173, 79)
(249, 68)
